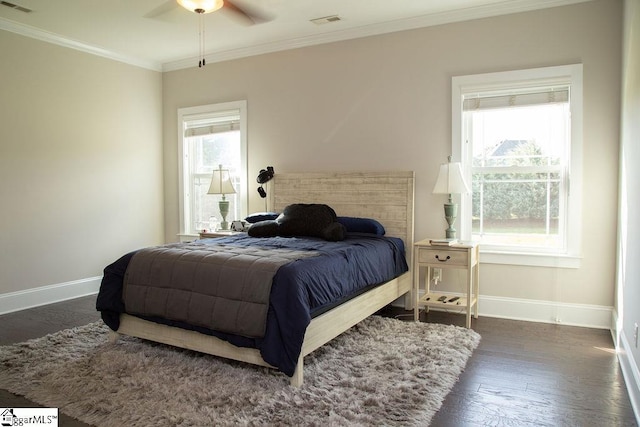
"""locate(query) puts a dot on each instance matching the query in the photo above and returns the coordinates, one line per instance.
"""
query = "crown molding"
(501, 8)
(48, 37)
(467, 14)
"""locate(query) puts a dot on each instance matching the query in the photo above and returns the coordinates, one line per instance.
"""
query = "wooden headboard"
(385, 196)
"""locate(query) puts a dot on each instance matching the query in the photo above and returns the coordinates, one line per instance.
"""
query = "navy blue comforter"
(301, 289)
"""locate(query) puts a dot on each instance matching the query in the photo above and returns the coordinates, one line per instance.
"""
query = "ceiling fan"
(244, 14)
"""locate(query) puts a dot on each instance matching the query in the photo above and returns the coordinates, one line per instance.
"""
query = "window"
(518, 137)
(210, 136)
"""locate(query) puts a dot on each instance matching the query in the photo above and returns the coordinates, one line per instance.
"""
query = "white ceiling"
(119, 29)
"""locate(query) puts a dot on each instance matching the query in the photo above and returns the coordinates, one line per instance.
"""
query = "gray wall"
(384, 103)
(80, 163)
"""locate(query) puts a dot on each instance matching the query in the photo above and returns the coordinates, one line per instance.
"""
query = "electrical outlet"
(436, 276)
(635, 334)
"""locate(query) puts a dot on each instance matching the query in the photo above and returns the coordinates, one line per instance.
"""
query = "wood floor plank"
(522, 374)
(533, 374)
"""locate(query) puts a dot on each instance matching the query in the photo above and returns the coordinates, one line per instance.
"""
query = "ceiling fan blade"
(165, 7)
(246, 15)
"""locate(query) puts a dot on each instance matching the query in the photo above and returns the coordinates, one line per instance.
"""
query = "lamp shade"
(450, 180)
(201, 6)
(221, 182)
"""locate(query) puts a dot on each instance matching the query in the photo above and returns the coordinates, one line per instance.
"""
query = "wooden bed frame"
(385, 196)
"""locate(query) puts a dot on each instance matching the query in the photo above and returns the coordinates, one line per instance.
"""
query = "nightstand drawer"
(443, 257)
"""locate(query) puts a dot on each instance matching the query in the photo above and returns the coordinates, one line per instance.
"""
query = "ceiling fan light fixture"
(201, 6)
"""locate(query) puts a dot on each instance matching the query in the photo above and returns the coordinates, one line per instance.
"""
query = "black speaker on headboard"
(264, 176)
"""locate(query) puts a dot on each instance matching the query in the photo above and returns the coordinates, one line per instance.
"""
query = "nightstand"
(220, 233)
(462, 255)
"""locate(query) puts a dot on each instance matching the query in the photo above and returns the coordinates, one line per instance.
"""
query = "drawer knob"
(443, 260)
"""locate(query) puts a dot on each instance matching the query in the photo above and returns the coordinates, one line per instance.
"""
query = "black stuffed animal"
(302, 219)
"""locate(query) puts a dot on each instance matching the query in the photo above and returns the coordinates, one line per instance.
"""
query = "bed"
(385, 196)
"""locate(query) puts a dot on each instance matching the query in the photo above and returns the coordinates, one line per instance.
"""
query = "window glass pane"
(518, 164)
(204, 205)
(212, 150)
(519, 206)
(519, 136)
(207, 153)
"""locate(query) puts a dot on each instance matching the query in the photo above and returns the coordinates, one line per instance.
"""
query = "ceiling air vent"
(326, 20)
(15, 6)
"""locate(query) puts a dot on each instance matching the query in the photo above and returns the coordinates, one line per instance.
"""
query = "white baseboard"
(628, 364)
(630, 373)
(21, 300)
(585, 315)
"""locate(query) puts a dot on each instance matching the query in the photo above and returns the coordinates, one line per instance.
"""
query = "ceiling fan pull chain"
(202, 42)
(200, 13)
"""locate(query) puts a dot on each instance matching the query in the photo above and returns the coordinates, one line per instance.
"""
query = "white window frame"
(522, 79)
(202, 111)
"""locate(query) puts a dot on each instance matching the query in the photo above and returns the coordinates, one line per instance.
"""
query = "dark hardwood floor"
(535, 374)
(522, 374)
(37, 322)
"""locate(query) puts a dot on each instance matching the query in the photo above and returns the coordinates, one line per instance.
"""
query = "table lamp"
(221, 184)
(450, 181)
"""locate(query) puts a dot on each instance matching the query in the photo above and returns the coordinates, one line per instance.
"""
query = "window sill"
(529, 259)
(188, 237)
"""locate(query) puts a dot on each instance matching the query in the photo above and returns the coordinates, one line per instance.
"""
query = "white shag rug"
(382, 371)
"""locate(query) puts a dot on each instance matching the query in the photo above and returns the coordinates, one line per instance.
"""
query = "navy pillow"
(361, 225)
(266, 228)
(261, 216)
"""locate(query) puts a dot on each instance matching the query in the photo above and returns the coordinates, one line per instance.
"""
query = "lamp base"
(223, 205)
(450, 214)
